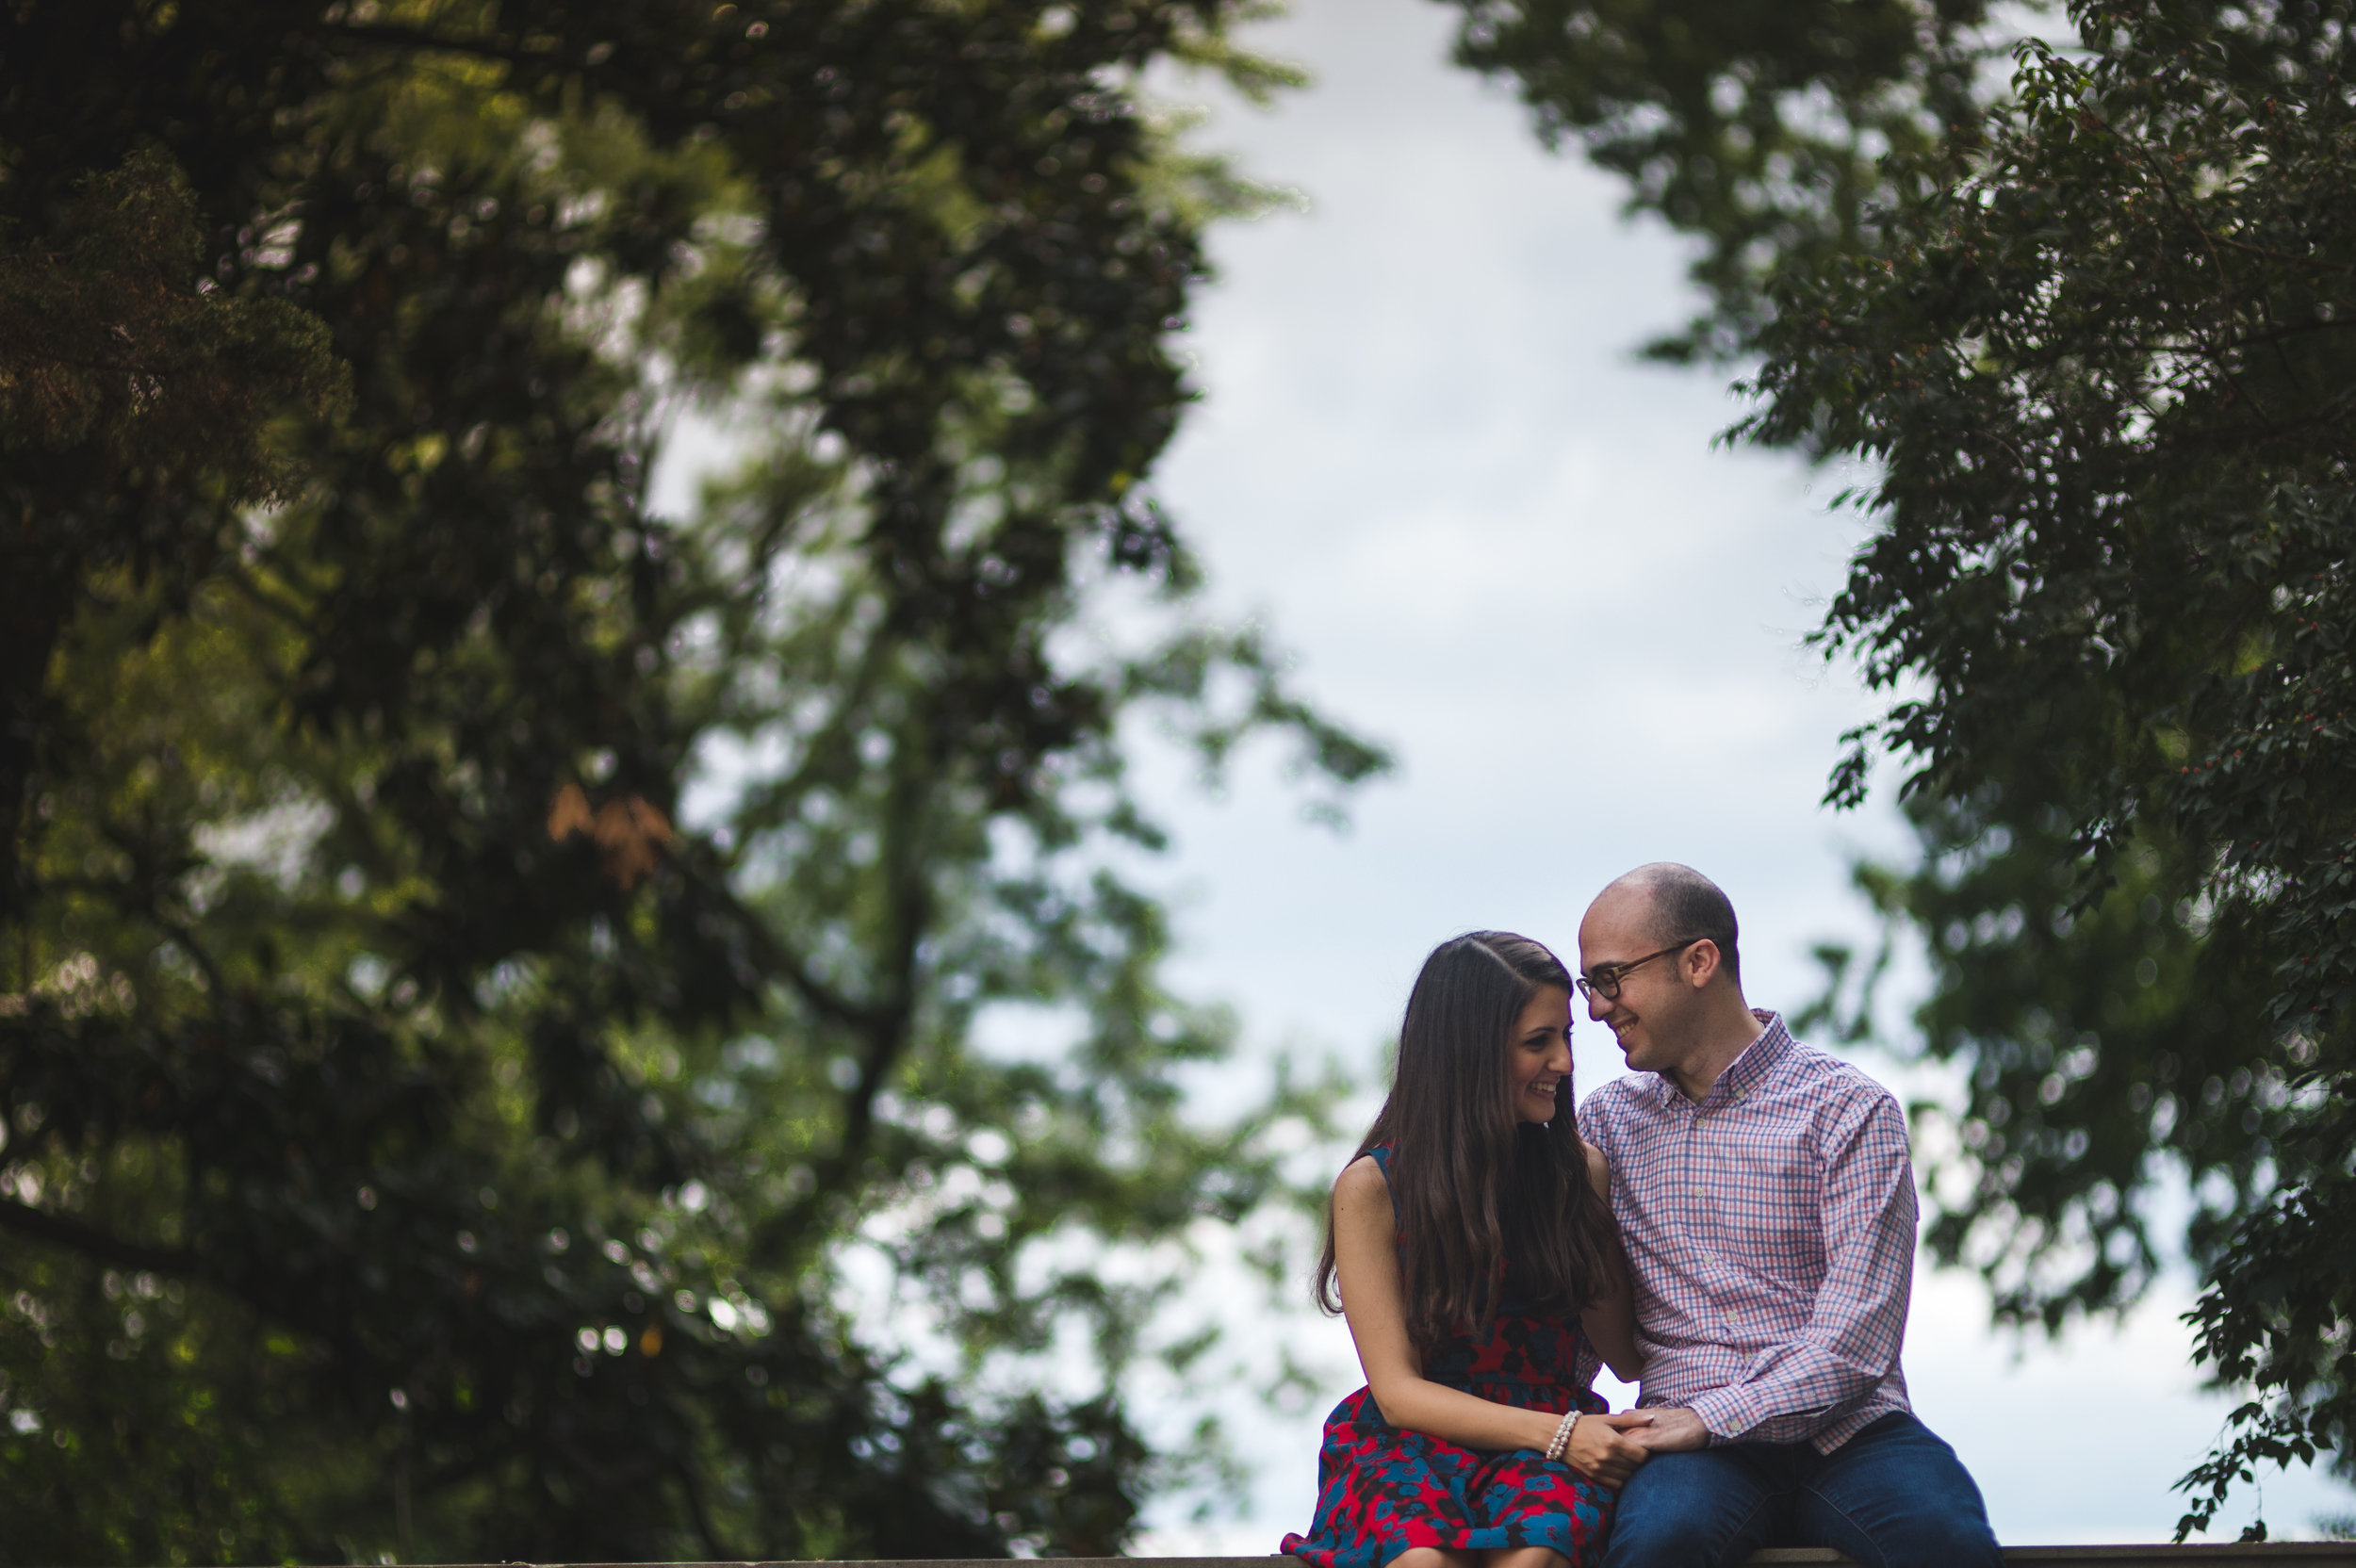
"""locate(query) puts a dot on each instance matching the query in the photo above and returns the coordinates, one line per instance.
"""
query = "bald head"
(1684, 906)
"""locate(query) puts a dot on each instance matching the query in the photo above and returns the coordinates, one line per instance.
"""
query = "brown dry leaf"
(632, 835)
(569, 814)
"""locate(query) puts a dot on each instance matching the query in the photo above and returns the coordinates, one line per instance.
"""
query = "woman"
(1473, 1244)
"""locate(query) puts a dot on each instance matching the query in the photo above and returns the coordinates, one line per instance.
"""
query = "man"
(1766, 1199)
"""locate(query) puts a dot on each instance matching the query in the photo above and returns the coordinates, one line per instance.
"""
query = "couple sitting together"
(1734, 1229)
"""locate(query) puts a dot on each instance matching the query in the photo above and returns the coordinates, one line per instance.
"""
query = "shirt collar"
(1746, 1073)
(1759, 1058)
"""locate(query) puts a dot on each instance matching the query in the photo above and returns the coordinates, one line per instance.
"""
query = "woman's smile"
(1540, 1056)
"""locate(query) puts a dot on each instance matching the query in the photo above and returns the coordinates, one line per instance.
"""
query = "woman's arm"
(1365, 1255)
(1610, 1321)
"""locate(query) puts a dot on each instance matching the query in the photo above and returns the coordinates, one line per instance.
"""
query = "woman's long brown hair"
(1472, 1183)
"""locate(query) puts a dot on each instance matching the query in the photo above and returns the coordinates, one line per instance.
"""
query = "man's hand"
(1601, 1453)
(1674, 1429)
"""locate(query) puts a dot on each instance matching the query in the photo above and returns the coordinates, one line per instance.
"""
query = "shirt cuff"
(1724, 1412)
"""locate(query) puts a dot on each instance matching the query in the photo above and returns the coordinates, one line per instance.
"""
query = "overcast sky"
(1427, 460)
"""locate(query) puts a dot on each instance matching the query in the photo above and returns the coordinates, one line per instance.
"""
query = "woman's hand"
(1599, 1452)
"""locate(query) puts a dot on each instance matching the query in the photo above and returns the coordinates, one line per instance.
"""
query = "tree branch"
(61, 1231)
(415, 38)
(838, 1005)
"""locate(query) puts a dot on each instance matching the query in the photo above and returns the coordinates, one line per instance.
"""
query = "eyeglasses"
(1604, 979)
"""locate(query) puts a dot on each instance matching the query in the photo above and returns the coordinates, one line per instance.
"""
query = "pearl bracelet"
(1561, 1443)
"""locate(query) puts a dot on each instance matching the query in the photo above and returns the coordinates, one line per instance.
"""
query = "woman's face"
(1539, 1056)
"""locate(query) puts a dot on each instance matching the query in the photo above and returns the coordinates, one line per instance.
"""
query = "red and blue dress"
(1382, 1490)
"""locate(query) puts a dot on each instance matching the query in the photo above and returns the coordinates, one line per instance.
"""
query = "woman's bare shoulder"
(1598, 1169)
(1362, 1178)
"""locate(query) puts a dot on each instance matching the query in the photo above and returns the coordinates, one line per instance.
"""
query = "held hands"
(1674, 1429)
(1599, 1452)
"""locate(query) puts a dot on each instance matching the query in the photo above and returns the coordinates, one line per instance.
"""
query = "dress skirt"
(1382, 1490)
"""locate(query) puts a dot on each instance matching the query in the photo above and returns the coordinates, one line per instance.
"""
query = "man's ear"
(1701, 963)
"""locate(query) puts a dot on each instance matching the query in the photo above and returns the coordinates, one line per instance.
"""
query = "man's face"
(1654, 999)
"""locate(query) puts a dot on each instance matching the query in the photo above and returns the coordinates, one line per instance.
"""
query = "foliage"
(2105, 379)
(2102, 1043)
(1758, 129)
(485, 953)
(126, 375)
(114, 341)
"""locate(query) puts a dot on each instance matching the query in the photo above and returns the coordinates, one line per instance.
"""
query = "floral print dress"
(1382, 1490)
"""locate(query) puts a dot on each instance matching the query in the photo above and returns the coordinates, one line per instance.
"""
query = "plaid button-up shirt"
(1771, 1226)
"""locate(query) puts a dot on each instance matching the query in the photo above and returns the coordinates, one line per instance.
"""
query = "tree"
(1758, 129)
(2093, 347)
(484, 950)
(125, 377)
(2103, 378)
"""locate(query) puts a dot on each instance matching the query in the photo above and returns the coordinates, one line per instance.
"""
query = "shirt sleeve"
(1789, 1392)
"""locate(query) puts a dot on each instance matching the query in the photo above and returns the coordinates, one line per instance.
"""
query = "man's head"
(1657, 953)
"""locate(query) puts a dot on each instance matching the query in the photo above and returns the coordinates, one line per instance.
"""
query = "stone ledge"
(2313, 1553)
(2308, 1554)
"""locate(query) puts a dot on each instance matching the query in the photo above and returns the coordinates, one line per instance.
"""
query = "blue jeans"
(1893, 1497)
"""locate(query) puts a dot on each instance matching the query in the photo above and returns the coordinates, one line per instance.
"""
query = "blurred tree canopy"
(2088, 341)
(476, 951)
(1758, 129)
